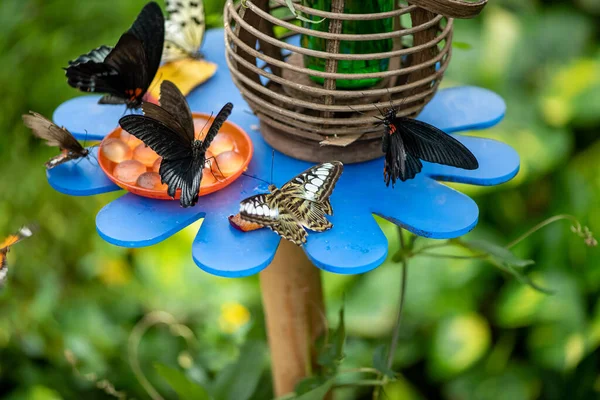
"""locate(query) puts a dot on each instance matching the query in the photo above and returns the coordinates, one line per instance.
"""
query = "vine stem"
(396, 332)
(135, 338)
(540, 226)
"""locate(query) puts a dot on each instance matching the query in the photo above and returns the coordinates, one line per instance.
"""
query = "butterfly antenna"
(272, 163)
(206, 123)
(390, 97)
(362, 113)
(254, 177)
(85, 137)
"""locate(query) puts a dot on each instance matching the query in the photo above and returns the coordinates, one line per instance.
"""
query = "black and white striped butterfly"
(184, 30)
(301, 203)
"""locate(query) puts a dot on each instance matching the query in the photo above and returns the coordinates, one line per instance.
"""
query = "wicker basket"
(316, 122)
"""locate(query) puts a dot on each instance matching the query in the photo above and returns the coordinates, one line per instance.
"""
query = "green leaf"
(332, 353)
(380, 362)
(308, 384)
(318, 393)
(502, 254)
(185, 389)
(238, 381)
(458, 342)
(461, 45)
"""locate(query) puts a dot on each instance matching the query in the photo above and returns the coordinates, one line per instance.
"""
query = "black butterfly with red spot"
(124, 72)
(407, 141)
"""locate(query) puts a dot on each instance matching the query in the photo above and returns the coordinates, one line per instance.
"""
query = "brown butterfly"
(301, 203)
(55, 136)
(5, 245)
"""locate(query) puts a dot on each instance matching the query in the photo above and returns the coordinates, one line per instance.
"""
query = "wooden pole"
(293, 302)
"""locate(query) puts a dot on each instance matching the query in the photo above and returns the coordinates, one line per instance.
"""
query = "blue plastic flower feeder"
(354, 245)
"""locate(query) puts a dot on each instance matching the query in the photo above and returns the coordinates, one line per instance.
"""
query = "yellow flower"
(114, 272)
(233, 317)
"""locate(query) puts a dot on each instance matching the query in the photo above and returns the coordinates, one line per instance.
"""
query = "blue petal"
(88, 120)
(464, 108)
(135, 221)
(498, 163)
(81, 177)
(354, 245)
(225, 251)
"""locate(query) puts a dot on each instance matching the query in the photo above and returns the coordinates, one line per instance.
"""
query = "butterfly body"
(5, 246)
(407, 141)
(301, 203)
(65, 156)
(168, 129)
(124, 72)
(45, 129)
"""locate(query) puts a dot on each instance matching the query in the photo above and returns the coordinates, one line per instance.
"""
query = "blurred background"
(469, 331)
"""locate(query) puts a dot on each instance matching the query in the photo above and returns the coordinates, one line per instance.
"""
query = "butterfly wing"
(306, 196)
(149, 27)
(431, 144)
(184, 174)
(128, 69)
(122, 74)
(97, 55)
(184, 30)
(265, 210)
(174, 103)
(316, 183)
(216, 125)
(399, 164)
(55, 136)
(5, 245)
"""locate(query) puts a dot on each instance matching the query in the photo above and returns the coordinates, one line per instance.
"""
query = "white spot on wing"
(316, 181)
(311, 188)
(25, 231)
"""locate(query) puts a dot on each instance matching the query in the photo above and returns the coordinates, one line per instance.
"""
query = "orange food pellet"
(208, 177)
(222, 143)
(145, 155)
(129, 139)
(150, 180)
(229, 163)
(128, 171)
(115, 150)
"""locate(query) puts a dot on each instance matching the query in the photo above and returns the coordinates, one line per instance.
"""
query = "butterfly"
(124, 72)
(184, 30)
(301, 203)
(55, 136)
(168, 129)
(407, 141)
(5, 245)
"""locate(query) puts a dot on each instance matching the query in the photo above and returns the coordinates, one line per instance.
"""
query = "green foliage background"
(469, 332)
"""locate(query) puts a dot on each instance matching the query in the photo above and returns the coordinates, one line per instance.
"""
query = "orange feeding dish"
(134, 167)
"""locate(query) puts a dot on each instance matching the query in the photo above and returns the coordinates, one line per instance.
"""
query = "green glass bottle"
(351, 47)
